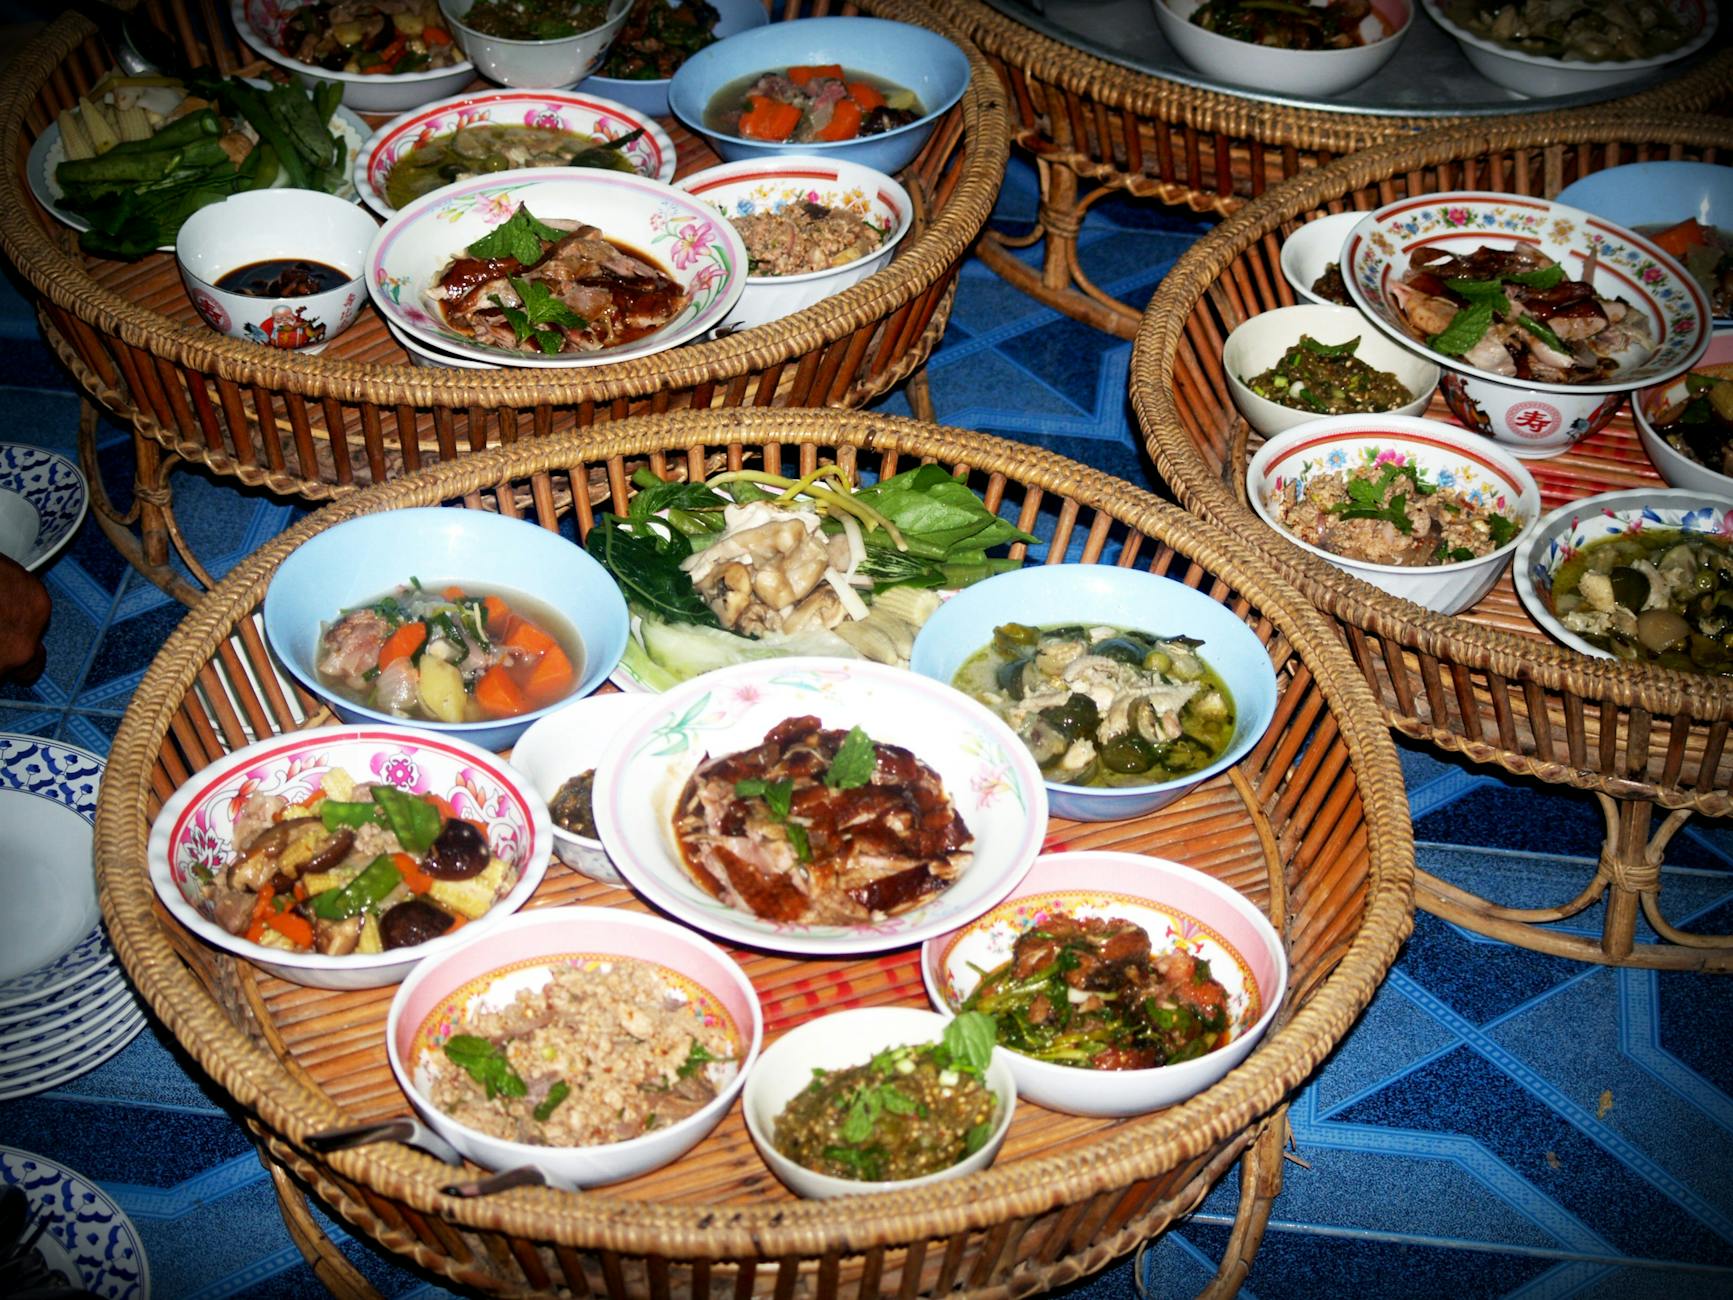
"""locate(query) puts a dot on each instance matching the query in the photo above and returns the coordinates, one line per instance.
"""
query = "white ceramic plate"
(48, 806)
(121, 1020)
(40, 1077)
(694, 245)
(47, 154)
(43, 497)
(988, 773)
(85, 1002)
(88, 1226)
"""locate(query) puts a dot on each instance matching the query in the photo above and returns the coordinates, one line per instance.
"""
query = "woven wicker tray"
(1097, 127)
(1312, 826)
(318, 427)
(1486, 684)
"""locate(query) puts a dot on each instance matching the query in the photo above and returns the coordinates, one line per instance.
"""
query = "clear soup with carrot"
(815, 103)
(440, 652)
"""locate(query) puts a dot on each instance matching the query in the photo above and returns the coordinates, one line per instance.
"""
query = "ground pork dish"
(1390, 514)
(603, 1052)
(804, 237)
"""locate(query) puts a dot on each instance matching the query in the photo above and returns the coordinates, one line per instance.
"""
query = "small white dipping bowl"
(1446, 456)
(563, 744)
(1182, 910)
(836, 1042)
(760, 185)
(1676, 467)
(1261, 342)
(266, 225)
(551, 63)
(194, 832)
(1308, 252)
(1576, 524)
(522, 954)
(1540, 77)
(1272, 71)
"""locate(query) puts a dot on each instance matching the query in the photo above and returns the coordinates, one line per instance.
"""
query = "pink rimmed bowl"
(651, 154)
(1533, 418)
(693, 244)
(1445, 455)
(1181, 910)
(522, 953)
(987, 772)
(195, 832)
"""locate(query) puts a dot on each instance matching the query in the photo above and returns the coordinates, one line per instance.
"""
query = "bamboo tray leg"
(147, 549)
(341, 1278)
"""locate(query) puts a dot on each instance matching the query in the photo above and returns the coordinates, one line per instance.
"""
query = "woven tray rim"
(259, 1082)
(1449, 638)
(1147, 95)
(63, 279)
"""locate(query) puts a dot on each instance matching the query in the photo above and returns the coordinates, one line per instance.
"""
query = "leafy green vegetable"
(696, 1060)
(777, 795)
(1330, 349)
(1503, 529)
(549, 1104)
(1366, 497)
(520, 236)
(645, 561)
(1482, 291)
(487, 1065)
(1466, 329)
(1545, 278)
(413, 820)
(939, 516)
(1544, 332)
(539, 316)
(969, 1038)
(855, 760)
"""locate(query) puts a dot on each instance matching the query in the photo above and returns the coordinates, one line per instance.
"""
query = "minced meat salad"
(1328, 379)
(1390, 514)
(804, 237)
(910, 1111)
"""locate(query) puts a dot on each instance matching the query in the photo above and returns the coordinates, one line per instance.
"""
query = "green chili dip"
(1328, 379)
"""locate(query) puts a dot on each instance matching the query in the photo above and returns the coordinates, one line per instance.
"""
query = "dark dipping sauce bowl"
(278, 277)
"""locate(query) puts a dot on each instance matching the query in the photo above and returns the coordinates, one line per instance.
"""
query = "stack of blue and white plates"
(65, 1004)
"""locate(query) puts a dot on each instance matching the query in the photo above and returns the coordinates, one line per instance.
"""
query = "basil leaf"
(855, 760)
(413, 820)
(556, 1094)
(1329, 349)
(970, 1038)
(1466, 329)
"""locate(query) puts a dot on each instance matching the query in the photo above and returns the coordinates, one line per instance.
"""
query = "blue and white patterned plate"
(68, 776)
(86, 1002)
(70, 1042)
(51, 485)
(40, 1076)
(92, 1229)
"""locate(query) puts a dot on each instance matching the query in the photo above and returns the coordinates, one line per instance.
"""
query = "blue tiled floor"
(1499, 1123)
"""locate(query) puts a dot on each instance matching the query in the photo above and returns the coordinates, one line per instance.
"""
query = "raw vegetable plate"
(48, 152)
(987, 773)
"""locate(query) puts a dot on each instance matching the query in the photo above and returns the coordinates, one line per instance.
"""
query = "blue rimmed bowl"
(43, 497)
(649, 95)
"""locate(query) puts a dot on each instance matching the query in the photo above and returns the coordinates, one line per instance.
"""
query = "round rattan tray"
(1093, 123)
(1487, 684)
(317, 427)
(1312, 825)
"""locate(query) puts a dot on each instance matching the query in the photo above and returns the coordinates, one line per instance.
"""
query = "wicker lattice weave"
(1486, 684)
(1313, 825)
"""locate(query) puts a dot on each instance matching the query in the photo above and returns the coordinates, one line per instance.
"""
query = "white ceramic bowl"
(1444, 455)
(1531, 418)
(521, 954)
(262, 226)
(531, 64)
(1680, 470)
(1308, 252)
(923, 61)
(195, 831)
(361, 559)
(1541, 77)
(695, 246)
(1260, 343)
(1043, 595)
(560, 745)
(650, 95)
(836, 1042)
(992, 781)
(1181, 910)
(431, 358)
(258, 22)
(1574, 525)
(651, 154)
(1309, 73)
(758, 185)
(48, 796)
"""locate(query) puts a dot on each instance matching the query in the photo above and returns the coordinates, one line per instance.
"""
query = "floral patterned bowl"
(1443, 456)
(1533, 418)
(1574, 525)
(1182, 910)
(194, 832)
(759, 185)
(990, 777)
(696, 247)
(1048, 595)
(651, 154)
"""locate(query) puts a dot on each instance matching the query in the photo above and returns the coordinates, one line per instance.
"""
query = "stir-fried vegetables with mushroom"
(1570, 29)
(354, 869)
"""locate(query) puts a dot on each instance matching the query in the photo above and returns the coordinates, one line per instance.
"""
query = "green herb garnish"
(556, 1094)
(1545, 278)
(520, 237)
(1544, 333)
(486, 1064)
(855, 760)
(1466, 329)
(969, 1038)
(696, 1060)
(1503, 529)
(1330, 349)
(542, 317)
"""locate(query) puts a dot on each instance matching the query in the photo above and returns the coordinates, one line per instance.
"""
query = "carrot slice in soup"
(551, 678)
(844, 124)
(527, 636)
(402, 643)
(813, 71)
(1682, 238)
(498, 695)
(867, 96)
